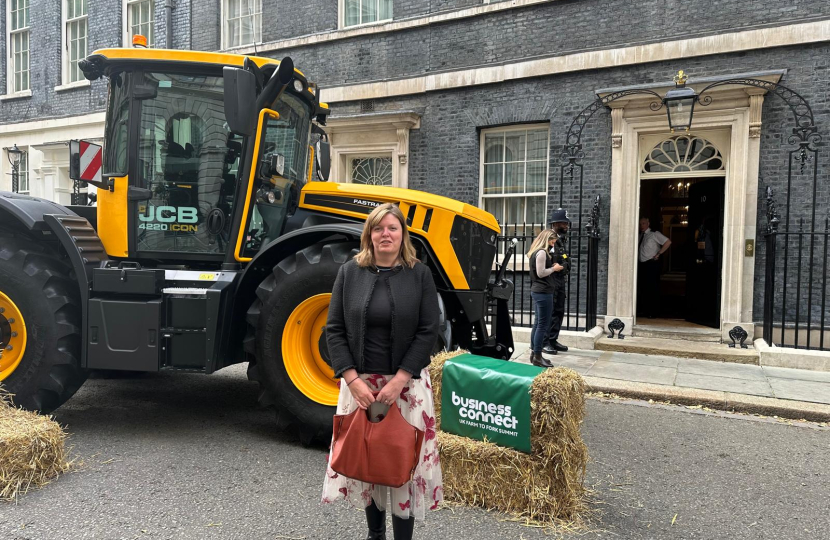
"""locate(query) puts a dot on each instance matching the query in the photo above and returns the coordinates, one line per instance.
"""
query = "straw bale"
(546, 485)
(32, 450)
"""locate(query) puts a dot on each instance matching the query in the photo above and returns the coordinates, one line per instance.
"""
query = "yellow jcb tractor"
(216, 240)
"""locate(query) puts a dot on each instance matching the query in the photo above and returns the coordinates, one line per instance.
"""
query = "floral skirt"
(425, 490)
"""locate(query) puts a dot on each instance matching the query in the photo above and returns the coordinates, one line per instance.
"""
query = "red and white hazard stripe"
(91, 155)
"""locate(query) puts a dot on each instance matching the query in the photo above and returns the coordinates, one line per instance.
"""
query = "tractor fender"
(28, 211)
(55, 222)
(271, 254)
(78, 239)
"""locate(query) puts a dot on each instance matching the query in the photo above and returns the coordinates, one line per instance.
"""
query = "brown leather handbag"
(384, 453)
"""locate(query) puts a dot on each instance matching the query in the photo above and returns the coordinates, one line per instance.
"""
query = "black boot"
(559, 347)
(403, 528)
(377, 522)
(538, 360)
(550, 349)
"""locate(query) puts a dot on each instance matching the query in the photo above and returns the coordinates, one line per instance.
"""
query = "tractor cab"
(206, 153)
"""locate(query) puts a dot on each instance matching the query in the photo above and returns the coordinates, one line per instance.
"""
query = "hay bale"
(546, 485)
(31, 450)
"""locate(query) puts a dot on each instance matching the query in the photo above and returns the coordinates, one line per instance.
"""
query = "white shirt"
(650, 244)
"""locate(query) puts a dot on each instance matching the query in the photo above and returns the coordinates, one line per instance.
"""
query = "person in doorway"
(653, 244)
(542, 268)
(382, 326)
(560, 224)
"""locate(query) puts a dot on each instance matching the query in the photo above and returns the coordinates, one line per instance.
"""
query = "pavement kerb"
(726, 401)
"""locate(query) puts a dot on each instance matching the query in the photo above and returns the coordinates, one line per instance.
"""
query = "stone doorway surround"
(735, 110)
(372, 134)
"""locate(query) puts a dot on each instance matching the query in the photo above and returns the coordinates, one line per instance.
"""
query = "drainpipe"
(168, 6)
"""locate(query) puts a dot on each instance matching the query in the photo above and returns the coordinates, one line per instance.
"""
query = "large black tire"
(294, 280)
(39, 281)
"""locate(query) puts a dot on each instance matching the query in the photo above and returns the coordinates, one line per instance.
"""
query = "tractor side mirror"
(240, 100)
(323, 160)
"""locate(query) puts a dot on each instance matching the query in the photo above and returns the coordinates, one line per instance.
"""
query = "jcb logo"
(170, 214)
(181, 218)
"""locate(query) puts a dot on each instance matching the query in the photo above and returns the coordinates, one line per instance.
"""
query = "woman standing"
(541, 291)
(382, 327)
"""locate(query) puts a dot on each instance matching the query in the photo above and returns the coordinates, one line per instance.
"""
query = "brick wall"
(292, 18)
(105, 29)
(205, 31)
(546, 29)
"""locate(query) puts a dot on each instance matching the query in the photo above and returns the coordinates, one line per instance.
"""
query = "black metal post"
(769, 286)
(15, 177)
(593, 230)
(798, 282)
(769, 275)
(824, 284)
(812, 243)
(76, 193)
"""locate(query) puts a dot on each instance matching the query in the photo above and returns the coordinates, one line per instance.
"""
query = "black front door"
(705, 251)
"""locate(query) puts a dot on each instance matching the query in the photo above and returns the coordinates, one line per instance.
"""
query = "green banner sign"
(484, 397)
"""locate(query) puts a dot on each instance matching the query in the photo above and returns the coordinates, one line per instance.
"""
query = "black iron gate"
(583, 249)
(795, 282)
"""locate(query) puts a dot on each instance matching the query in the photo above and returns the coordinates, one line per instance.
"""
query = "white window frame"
(507, 129)
(126, 23)
(23, 173)
(10, 65)
(66, 46)
(223, 22)
(341, 16)
(344, 155)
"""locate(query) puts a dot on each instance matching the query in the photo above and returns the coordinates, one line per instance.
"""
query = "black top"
(543, 285)
(414, 320)
(377, 347)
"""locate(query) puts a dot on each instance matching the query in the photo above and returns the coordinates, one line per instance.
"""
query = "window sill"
(242, 46)
(71, 86)
(16, 95)
(364, 25)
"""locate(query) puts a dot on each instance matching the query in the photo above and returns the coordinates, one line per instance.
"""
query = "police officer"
(560, 223)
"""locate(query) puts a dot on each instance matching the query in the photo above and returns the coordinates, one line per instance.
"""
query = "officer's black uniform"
(560, 279)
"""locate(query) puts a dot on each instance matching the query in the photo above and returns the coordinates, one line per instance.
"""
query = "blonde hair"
(366, 256)
(541, 242)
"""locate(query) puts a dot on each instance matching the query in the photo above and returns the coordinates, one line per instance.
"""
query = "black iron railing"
(581, 284)
(795, 283)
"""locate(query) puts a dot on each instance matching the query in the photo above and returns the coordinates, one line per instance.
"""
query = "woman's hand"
(558, 267)
(392, 391)
(359, 389)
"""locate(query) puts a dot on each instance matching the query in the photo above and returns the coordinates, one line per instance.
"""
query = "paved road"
(190, 457)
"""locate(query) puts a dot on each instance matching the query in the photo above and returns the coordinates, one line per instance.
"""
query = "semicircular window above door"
(376, 171)
(683, 153)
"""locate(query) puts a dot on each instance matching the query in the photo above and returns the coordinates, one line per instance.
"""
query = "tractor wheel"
(286, 335)
(40, 324)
